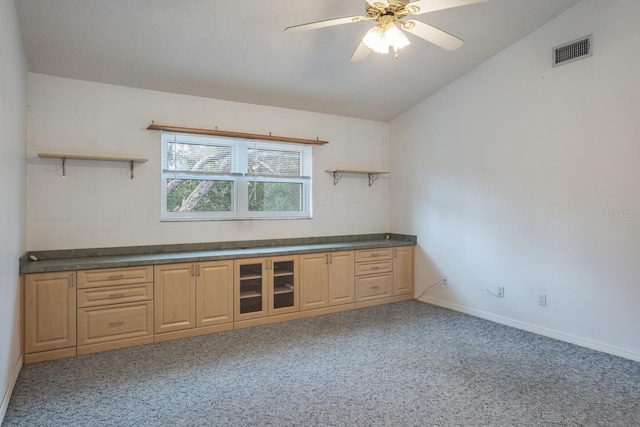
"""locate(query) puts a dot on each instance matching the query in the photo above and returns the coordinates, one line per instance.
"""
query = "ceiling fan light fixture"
(384, 36)
(375, 40)
(395, 38)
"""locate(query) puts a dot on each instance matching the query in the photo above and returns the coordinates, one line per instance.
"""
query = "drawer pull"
(116, 296)
(375, 268)
(119, 276)
(375, 287)
(116, 324)
(375, 255)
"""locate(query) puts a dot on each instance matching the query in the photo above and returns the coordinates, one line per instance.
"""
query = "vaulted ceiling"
(237, 50)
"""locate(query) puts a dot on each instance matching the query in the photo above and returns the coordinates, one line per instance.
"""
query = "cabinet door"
(403, 270)
(214, 293)
(174, 297)
(284, 289)
(50, 311)
(314, 281)
(250, 278)
(341, 278)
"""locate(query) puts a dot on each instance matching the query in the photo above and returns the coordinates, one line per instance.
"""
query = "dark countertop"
(84, 259)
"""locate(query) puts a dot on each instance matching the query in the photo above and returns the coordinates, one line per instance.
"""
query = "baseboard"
(529, 327)
(9, 391)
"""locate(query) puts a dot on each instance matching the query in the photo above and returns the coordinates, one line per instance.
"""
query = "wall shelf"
(373, 175)
(65, 156)
(243, 135)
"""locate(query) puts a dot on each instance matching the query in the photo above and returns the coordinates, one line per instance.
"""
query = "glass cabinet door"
(284, 294)
(251, 281)
(283, 284)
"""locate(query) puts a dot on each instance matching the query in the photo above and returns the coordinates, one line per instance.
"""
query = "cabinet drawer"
(93, 297)
(374, 267)
(114, 276)
(373, 254)
(103, 324)
(373, 286)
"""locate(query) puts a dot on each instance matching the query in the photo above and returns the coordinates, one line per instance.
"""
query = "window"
(210, 177)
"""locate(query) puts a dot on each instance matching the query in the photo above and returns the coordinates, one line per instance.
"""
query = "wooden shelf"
(373, 175)
(250, 277)
(250, 294)
(91, 157)
(65, 156)
(230, 134)
(283, 289)
(283, 273)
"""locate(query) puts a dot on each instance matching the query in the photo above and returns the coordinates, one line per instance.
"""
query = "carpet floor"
(404, 364)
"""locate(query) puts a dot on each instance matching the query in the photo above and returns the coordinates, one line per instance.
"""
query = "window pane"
(194, 195)
(275, 196)
(195, 157)
(273, 162)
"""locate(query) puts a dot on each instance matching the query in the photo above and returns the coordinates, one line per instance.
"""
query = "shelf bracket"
(131, 169)
(64, 170)
(336, 177)
(373, 177)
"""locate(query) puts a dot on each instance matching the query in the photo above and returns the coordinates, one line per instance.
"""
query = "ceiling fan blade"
(361, 53)
(326, 23)
(426, 6)
(432, 34)
(378, 3)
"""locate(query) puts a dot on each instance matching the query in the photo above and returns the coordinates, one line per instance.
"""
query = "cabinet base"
(194, 332)
(49, 355)
(387, 300)
(113, 345)
(265, 320)
(326, 310)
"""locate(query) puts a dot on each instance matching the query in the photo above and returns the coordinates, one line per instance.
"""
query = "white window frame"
(240, 177)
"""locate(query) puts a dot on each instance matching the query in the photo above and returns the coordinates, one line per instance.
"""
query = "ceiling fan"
(389, 14)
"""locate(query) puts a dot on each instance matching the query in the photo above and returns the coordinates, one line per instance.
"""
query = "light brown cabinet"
(115, 308)
(49, 316)
(327, 279)
(265, 287)
(214, 293)
(193, 295)
(403, 270)
(79, 312)
(384, 275)
(374, 274)
(174, 297)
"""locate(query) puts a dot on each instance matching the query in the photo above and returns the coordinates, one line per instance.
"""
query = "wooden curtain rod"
(217, 132)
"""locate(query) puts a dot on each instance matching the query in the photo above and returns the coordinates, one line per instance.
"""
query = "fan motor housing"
(396, 8)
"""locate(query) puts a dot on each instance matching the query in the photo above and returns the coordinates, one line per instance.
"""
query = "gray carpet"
(404, 364)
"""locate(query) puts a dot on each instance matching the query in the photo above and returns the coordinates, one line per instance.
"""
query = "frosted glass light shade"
(395, 38)
(374, 39)
(384, 36)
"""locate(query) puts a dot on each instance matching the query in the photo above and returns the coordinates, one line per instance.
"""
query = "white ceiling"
(237, 50)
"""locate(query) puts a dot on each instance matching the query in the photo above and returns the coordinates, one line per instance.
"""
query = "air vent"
(572, 51)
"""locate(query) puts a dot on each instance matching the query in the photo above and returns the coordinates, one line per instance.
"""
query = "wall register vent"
(572, 51)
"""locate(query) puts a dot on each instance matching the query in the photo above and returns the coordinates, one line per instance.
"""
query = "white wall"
(13, 97)
(526, 176)
(97, 205)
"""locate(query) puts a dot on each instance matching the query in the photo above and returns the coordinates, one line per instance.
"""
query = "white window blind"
(210, 177)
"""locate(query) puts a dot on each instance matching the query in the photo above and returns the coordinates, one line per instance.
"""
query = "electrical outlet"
(542, 299)
(500, 291)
